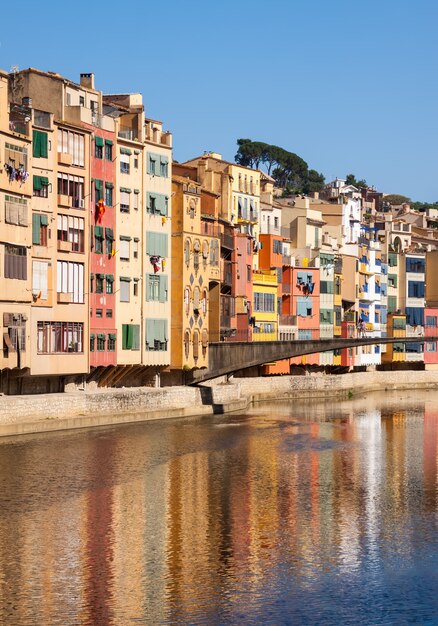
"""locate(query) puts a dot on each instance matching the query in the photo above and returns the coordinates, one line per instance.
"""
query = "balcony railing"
(287, 320)
(128, 133)
(227, 241)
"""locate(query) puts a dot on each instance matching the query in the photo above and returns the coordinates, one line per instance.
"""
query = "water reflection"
(289, 514)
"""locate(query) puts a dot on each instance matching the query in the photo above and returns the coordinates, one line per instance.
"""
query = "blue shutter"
(163, 288)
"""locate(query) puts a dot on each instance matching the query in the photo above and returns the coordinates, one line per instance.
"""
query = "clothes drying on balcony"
(16, 173)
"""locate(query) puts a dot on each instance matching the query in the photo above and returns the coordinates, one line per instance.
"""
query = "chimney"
(87, 80)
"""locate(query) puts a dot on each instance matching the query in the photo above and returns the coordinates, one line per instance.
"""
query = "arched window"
(187, 300)
(196, 305)
(187, 252)
(205, 250)
(196, 250)
(187, 344)
(196, 345)
(204, 302)
(204, 342)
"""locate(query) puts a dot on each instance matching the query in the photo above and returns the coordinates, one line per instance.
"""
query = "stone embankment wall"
(81, 409)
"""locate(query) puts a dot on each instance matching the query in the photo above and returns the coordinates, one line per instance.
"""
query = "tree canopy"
(395, 199)
(288, 169)
(351, 179)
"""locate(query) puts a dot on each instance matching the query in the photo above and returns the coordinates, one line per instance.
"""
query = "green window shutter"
(98, 231)
(44, 145)
(37, 184)
(109, 234)
(36, 152)
(109, 142)
(125, 151)
(163, 288)
(163, 245)
(99, 141)
(98, 184)
(109, 185)
(44, 219)
(36, 225)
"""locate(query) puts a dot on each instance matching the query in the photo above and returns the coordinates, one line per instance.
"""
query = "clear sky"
(349, 85)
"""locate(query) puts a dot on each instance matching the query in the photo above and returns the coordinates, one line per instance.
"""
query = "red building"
(103, 333)
(243, 286)
(430, 329)
(301, 300)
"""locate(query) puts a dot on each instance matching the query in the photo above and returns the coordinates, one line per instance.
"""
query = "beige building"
(16, 232)
(60, 205)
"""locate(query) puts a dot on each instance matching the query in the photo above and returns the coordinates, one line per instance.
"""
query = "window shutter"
(135, 337)
(99, 141)
(36, 225)
(130, 336)
(163, 288)
(150, 335)
(148, 284)
(124, 336)
(44, 145)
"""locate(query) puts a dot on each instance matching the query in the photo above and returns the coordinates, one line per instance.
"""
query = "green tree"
(351, 179)
(395, 199)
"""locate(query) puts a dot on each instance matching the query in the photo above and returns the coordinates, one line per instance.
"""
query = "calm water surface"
(289, 514)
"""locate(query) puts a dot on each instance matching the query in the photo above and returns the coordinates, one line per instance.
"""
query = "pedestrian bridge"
(229, 357)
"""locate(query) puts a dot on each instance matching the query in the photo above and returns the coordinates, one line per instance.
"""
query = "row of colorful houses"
(119, 266)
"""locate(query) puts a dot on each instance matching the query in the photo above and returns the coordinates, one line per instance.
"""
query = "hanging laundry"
(156, 262)
(100, 211)
(163, 265)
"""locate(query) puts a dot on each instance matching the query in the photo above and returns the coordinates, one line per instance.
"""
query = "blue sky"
(349, 86)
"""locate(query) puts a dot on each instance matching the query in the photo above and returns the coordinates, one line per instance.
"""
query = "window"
(157, 203)
(72, 186)
(40, 271)
(130, 337)
(204, 301)
(156, 334)
(431, 321)
(109, 194)
(186, 344)
(109, 283)
(276, 223)
(71, 229)
(326, 316)
(326, 286)
(415, 289)
(136, 162)
(15, 210)
(73, 144)
(163, 168)
(415, 265)
(214, 252)
(15, 262)
(152, 164)
(40, 144)
(16, 156)
(124, 289)
(414, 316)
(98, 239)
(92, 341)
(60, 337)
(187, 300)
(99, 282)
(124, 158)
(187, 252)
(109, 240)
(98, 190)
(392, 280)
(40, 224)
(278, 246)
(124, 248)
(135, 290)
(156, 287)
(111, 341)
(41, 186)
(156, 244)
(101, 341)
(109, 313)
(136, 196)
(81, 101)
(264, 302)
(70, 279)
(392, 259)
(248, 273)
(98, 147)
(135, 248)
(124, 200)
(108, 150)
(304, 306)
(99, 313)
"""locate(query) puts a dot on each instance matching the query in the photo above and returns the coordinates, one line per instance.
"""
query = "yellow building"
(195, 268)
(265, 311)
(396, 327)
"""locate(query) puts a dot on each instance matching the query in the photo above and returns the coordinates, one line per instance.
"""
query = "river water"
(288, 514)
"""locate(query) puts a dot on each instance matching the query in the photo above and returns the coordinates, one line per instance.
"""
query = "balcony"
(64, 298)
(227, 241)
(77, 114)
(210, 229)
(227, 274)
(64, 158)
(270, 279)
(287, 320)
(64, 200)
(64, 246)
(128, 133)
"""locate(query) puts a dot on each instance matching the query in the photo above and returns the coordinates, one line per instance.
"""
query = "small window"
(109, 313)
(99, 312)
(135, 289)
(108, 151)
